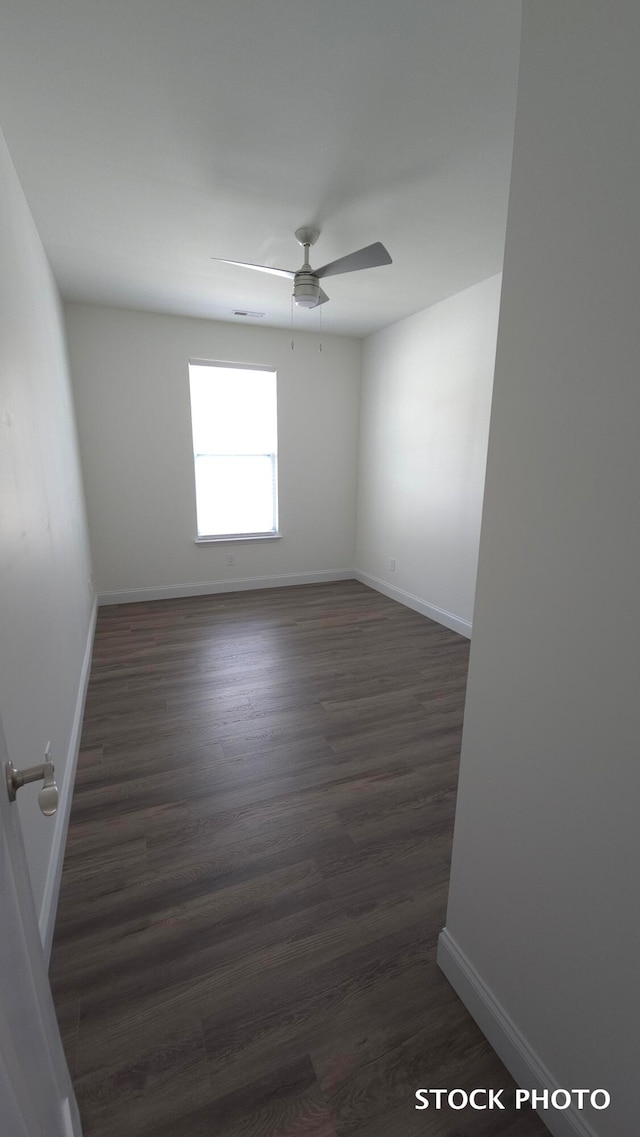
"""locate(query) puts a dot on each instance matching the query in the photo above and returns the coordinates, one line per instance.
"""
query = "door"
(36, 1096)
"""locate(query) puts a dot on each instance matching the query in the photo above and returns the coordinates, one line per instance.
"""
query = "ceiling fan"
(307, 292)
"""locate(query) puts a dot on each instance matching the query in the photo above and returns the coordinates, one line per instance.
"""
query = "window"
(235, 430)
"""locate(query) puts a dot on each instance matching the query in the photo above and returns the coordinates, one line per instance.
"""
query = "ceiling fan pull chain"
(292, 321)
(320, 344)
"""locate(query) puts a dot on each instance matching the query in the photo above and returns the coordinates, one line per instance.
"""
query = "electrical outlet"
(231, 560)
(392, 564)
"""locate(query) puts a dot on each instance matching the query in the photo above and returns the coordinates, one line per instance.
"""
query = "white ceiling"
(152, 135)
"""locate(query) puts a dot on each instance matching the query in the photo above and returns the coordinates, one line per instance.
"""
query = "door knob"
(48, 796)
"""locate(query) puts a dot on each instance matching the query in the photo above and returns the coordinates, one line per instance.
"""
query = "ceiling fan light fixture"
(306, 290)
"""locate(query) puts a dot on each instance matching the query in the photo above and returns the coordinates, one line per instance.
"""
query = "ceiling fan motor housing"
(306, 290)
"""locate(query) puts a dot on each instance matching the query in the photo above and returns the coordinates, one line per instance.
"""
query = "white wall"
(544, 903)
(426, 398)
(46, 604)
(132, 402)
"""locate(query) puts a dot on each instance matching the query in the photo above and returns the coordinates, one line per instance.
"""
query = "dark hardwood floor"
(256, 873)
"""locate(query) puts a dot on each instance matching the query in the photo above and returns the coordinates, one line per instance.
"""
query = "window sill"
(240, 537)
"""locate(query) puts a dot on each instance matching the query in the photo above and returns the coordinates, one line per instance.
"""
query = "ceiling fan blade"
(259, 268)
(322, 298)
(370, 257)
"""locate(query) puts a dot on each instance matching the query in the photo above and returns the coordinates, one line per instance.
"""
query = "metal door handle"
(48, 796)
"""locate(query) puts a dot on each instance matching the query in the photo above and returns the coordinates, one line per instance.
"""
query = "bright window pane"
(234, 421)
(234, 493)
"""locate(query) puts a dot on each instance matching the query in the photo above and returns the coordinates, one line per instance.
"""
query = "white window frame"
(226, 538)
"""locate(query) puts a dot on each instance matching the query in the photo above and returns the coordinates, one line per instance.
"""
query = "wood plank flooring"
(256, 873)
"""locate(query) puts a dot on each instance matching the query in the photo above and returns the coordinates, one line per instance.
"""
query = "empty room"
(318, 620)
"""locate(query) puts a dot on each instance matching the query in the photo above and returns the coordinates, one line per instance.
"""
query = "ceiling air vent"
(241, 312)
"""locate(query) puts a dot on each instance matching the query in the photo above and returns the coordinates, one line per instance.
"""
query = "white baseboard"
(440, 615)
(281, 580)
(239, 584)
(47, 915)
(525, 1066)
